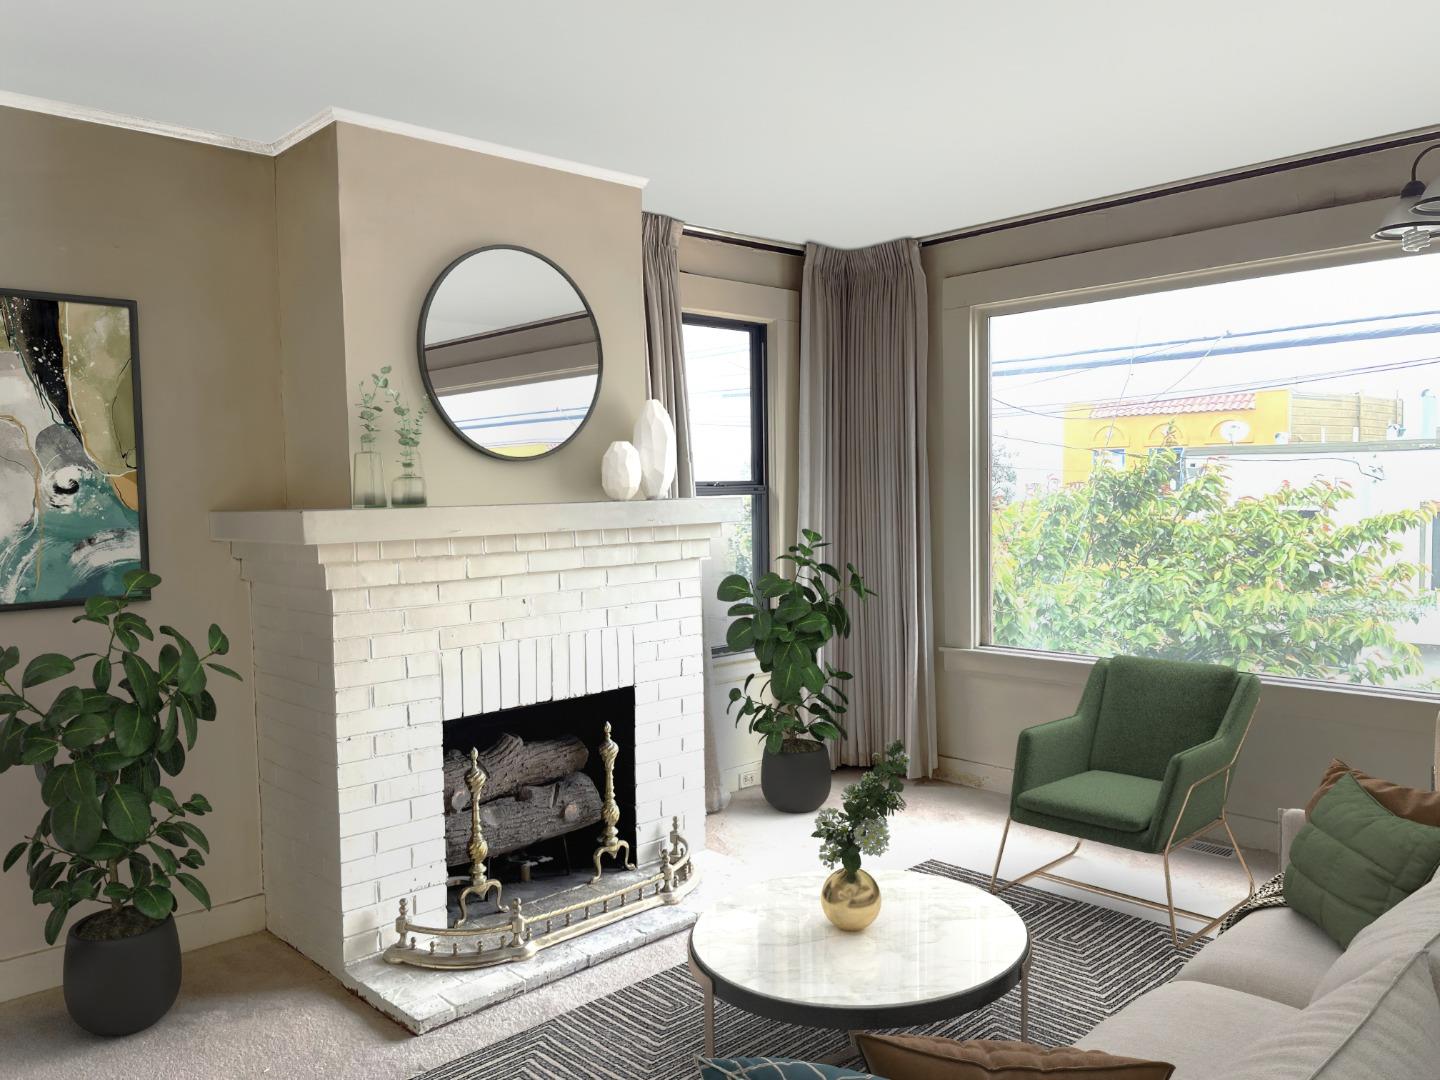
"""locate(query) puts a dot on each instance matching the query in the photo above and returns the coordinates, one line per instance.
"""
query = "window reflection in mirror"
(510, 352)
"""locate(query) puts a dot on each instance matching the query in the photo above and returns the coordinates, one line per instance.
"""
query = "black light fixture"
(1414, 218)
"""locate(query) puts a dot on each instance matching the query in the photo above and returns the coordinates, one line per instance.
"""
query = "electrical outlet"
(749, 777)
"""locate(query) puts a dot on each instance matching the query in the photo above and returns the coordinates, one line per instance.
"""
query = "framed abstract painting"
(72, 481)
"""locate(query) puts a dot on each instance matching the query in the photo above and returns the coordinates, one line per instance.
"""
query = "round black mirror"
(510, 352)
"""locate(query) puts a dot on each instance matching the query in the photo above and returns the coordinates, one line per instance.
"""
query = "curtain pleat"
(664, 336)
(864, 482)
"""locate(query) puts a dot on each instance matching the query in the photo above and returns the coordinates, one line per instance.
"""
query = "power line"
(1296, 380)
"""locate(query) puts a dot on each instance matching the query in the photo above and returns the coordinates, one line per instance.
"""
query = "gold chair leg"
(1172, 912)
(1040, 871)
(994, 876)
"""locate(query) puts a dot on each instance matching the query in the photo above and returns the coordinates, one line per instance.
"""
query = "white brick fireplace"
(373, 627)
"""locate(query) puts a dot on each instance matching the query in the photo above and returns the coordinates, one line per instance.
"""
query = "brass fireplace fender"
(522, 936)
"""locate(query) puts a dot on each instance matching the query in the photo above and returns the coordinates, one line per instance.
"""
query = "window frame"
(1064, 282)
(758, 487)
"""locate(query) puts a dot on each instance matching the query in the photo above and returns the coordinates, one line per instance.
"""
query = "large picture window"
(1244, 473)
(725, 377)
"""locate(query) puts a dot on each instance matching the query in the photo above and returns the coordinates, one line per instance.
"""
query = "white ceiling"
(844, 121)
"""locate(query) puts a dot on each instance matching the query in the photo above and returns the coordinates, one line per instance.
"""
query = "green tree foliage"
(111, 831)
(787, 621)
(1143, 561)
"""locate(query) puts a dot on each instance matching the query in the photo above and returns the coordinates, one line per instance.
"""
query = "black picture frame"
(132, 309)
(425, 370)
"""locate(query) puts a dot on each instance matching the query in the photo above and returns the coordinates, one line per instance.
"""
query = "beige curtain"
(664, 335)
(665, 380)
(864, 482)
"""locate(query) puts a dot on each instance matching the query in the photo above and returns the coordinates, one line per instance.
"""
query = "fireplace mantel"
(315, 527)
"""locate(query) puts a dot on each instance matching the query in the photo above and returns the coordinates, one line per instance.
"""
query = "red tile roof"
(1200, 403)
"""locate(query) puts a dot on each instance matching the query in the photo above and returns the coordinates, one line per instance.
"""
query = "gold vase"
(850, 901)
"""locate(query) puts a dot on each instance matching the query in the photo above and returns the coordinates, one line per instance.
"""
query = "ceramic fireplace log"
(536, 812)
(509, 765)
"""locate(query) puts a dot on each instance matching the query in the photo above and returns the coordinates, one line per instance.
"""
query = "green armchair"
(1143, 764)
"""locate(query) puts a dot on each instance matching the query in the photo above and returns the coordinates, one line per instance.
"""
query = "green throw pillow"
(1355, 860)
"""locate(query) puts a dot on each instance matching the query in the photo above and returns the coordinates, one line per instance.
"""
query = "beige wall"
(317, 395)
(1320, 213)
(188, 232)
(407, 208)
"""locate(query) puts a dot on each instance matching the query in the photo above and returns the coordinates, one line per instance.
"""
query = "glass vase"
(367, 478)
(408, 489)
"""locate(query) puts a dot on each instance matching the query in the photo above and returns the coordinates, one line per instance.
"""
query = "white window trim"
(961, 462)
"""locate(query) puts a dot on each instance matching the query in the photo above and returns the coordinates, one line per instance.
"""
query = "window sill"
(1064, 669)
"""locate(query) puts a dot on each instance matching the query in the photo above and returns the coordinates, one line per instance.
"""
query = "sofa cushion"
(1412, 803)
(926, 1057)
(1355, 860)
(1274, 953)
(1384, 1024)
(1202, 1029)
(1110, 800)
(1407, 928)
(1153, 709)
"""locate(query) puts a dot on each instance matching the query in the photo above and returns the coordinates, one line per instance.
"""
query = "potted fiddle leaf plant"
(800, 703)
(113, 832)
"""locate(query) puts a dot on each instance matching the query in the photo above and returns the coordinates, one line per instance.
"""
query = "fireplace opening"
(542, 800)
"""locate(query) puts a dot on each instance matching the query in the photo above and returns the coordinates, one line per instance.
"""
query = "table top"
(937, 949)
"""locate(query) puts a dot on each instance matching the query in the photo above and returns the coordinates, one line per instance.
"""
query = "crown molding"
(319, 121)
(130, 123)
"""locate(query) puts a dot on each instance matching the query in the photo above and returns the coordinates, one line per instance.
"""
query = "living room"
(511, 568)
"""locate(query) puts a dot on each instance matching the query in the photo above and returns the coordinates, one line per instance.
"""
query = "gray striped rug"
(1088, 962)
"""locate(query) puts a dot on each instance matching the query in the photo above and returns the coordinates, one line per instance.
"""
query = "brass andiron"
(610, 842)
(480, 881)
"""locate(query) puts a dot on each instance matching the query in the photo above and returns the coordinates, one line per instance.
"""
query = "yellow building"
(1119, 433)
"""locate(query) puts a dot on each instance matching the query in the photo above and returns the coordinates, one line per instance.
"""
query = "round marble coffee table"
(939, 948)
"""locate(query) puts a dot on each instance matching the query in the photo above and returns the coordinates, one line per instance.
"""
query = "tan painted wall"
(317, 394)
(407, 208)
(985, 699)
(188, 232)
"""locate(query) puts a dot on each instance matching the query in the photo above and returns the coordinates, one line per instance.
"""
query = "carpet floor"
(1088, 961)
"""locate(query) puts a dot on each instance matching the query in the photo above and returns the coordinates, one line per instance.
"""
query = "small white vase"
(620, 471)
(655, 439)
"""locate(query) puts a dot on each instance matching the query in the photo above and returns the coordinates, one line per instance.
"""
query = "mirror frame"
(425, 371)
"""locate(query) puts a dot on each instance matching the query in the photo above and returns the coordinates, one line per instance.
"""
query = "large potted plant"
(799, 705)
(112, 831)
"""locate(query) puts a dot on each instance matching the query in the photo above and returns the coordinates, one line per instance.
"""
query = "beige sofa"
(1276, 999)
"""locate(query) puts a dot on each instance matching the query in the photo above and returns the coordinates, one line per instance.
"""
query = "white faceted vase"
(620, 471)
(655, 439)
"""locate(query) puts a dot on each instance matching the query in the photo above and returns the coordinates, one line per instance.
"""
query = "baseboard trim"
(32, 972)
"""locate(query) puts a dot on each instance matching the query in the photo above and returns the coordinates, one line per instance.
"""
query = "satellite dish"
(1232, 431)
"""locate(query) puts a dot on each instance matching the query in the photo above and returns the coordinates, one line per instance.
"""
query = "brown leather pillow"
(921, 1057)
(1405, 802)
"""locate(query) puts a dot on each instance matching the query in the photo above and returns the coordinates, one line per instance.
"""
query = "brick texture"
(363, 650)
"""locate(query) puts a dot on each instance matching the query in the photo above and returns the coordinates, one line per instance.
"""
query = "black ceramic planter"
(796, 783)
(123, 986)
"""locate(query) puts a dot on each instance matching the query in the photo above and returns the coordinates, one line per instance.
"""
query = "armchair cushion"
(1151, 710)
(1108, 800)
